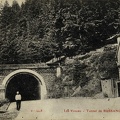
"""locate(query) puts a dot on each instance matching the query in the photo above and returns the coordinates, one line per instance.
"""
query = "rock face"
(99, 65)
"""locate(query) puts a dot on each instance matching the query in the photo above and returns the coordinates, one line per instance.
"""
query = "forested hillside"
(39, 30)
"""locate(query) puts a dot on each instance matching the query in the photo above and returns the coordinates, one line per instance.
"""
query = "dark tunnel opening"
(26, 84)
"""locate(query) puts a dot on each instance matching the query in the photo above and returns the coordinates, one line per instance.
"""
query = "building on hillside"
(111, 88)
(118, 64)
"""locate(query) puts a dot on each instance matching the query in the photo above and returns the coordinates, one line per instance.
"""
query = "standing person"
(18, 100)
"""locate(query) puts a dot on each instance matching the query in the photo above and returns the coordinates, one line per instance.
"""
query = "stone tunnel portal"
(28, 84)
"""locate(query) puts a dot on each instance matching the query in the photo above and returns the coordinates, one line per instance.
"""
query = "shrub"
(76, 72)
(107, 65)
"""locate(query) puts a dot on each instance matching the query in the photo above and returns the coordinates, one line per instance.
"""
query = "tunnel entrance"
(26, 84)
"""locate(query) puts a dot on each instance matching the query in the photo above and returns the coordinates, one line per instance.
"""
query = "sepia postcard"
(59, 59)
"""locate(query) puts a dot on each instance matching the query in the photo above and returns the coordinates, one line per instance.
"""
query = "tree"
(51, 28)
(15, 11)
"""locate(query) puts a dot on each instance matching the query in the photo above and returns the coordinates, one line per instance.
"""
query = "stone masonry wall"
(48, 73)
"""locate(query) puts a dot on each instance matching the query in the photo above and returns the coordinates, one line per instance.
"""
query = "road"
(72, 109)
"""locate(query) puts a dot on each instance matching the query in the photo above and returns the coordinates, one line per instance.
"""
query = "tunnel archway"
(26, 84)
(30, 84)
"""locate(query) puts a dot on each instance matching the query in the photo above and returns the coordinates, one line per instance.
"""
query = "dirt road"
(72, 109)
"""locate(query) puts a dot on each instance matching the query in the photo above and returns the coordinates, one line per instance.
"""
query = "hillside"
(85, 72)
(39, 30)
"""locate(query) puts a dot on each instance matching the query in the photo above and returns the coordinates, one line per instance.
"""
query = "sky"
(10, 1)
